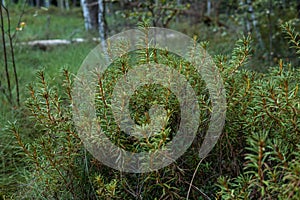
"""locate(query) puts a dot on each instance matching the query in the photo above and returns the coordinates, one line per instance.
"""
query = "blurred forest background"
(254, 43)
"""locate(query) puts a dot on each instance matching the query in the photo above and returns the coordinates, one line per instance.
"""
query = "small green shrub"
(56, 160)
(257, 156)
(267, 108)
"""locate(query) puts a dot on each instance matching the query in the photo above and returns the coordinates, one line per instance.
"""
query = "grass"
(30, 60)
(47, 23)
(40, 24)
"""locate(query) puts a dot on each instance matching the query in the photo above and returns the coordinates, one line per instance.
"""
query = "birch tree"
(47, 3)
(67, 5)
(208, 7)
(86, 15)
(102, 25)
(101, 22)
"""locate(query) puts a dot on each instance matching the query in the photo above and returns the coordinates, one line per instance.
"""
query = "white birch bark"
(208, 7)
(47, 3)
(101, 24)
(86, 15)
(67, 5)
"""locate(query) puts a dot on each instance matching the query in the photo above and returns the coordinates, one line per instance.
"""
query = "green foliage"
(257, 156)
(268, 116)
(42, 23)
(55, 157)
(160, 12)
(292, 36)
(271, 172)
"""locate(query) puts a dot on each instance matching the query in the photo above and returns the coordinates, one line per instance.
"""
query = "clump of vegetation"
(262, 114)
(271, 157)
(257, 155)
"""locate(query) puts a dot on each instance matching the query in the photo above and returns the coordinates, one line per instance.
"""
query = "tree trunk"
(93, 10)
(67, 5)
(102, 24)
(208, 8)
(101, 19)
(86, 15)
(47, 3)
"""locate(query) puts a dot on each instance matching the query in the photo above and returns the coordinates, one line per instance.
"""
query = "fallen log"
(44, 44)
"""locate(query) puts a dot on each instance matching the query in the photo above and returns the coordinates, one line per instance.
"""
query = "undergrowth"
(257, 156)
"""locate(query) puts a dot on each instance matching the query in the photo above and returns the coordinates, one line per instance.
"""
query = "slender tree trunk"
(47, 3)
(94, 13)
(67, 5)
(101, 19)
(208, 8)
(86, 15)
(102, 24)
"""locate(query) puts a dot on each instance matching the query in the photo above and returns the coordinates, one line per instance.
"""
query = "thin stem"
(5, 55)
(12, 56)
(191, 183)
(202, 193)
(101, 90)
